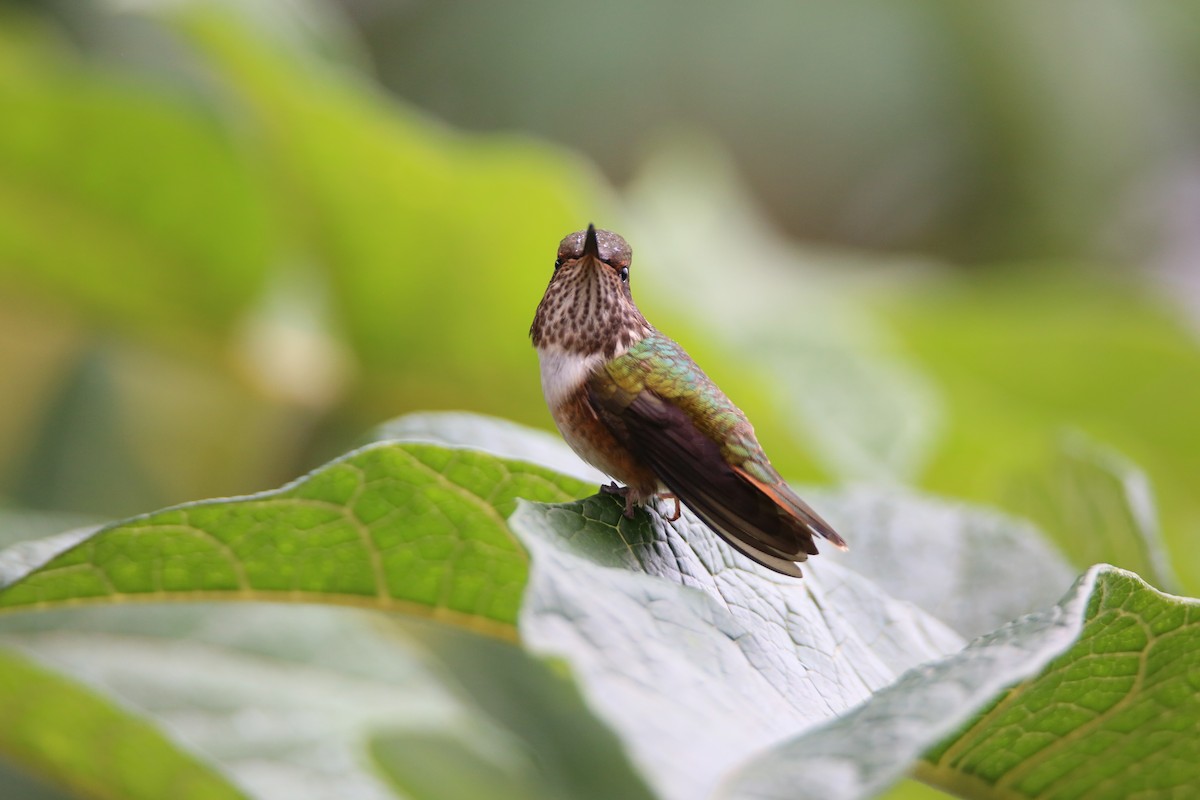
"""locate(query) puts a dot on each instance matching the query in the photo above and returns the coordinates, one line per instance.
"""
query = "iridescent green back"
(658, 364)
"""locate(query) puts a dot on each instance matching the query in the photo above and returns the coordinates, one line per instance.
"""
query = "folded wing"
(747, 504)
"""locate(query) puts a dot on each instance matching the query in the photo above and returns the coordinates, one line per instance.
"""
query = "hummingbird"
(633, 404)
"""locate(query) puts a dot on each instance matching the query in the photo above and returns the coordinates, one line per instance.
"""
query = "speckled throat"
(588, 310)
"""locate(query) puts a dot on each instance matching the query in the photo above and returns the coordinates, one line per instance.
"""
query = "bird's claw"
(631, 502)
(621, 491)
(669, 496)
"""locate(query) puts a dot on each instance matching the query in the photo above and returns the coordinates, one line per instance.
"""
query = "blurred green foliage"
(263, 247)
(979, 132)
(256, 241)
(109, 752)
(1023, 358)
(226, 252)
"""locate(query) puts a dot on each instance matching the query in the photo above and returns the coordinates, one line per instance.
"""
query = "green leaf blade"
(276, 697)
(967, 565)
(1074, 701)
(413, 526)
(1091, 487)
(695, 656)
(59, 729)
(539, 741)
(715, 675)
(1115, 715)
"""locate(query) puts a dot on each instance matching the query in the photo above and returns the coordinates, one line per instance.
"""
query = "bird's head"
(588, 308)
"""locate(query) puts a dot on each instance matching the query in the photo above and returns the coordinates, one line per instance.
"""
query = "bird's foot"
(615, 488)
(669, 496)
(621, 491)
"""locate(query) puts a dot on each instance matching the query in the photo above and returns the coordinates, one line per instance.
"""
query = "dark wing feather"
(767, 523)
(783, 495)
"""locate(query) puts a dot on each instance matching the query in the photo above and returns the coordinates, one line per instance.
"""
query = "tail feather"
(787, 500)
(765, 522)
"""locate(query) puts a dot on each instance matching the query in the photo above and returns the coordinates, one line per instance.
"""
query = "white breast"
(563, 373)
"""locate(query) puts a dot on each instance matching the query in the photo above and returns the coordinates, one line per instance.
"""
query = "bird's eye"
(624, 273)
(557, 263)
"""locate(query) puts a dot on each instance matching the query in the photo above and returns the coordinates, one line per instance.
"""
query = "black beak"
(591, 247)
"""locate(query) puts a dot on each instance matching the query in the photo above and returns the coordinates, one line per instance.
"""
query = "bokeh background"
(954, 246)
(949, 245)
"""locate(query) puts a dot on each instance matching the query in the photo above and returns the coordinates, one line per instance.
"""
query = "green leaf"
(406, 526)
(541, 741)
(971, 567)
(22, 526)
(695, 656)
(699, 661)
(1095, 697)
(72, 737)
(429, 767)
(500, 437)
(1089, 487)
(278, 698)
(1116, 715)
